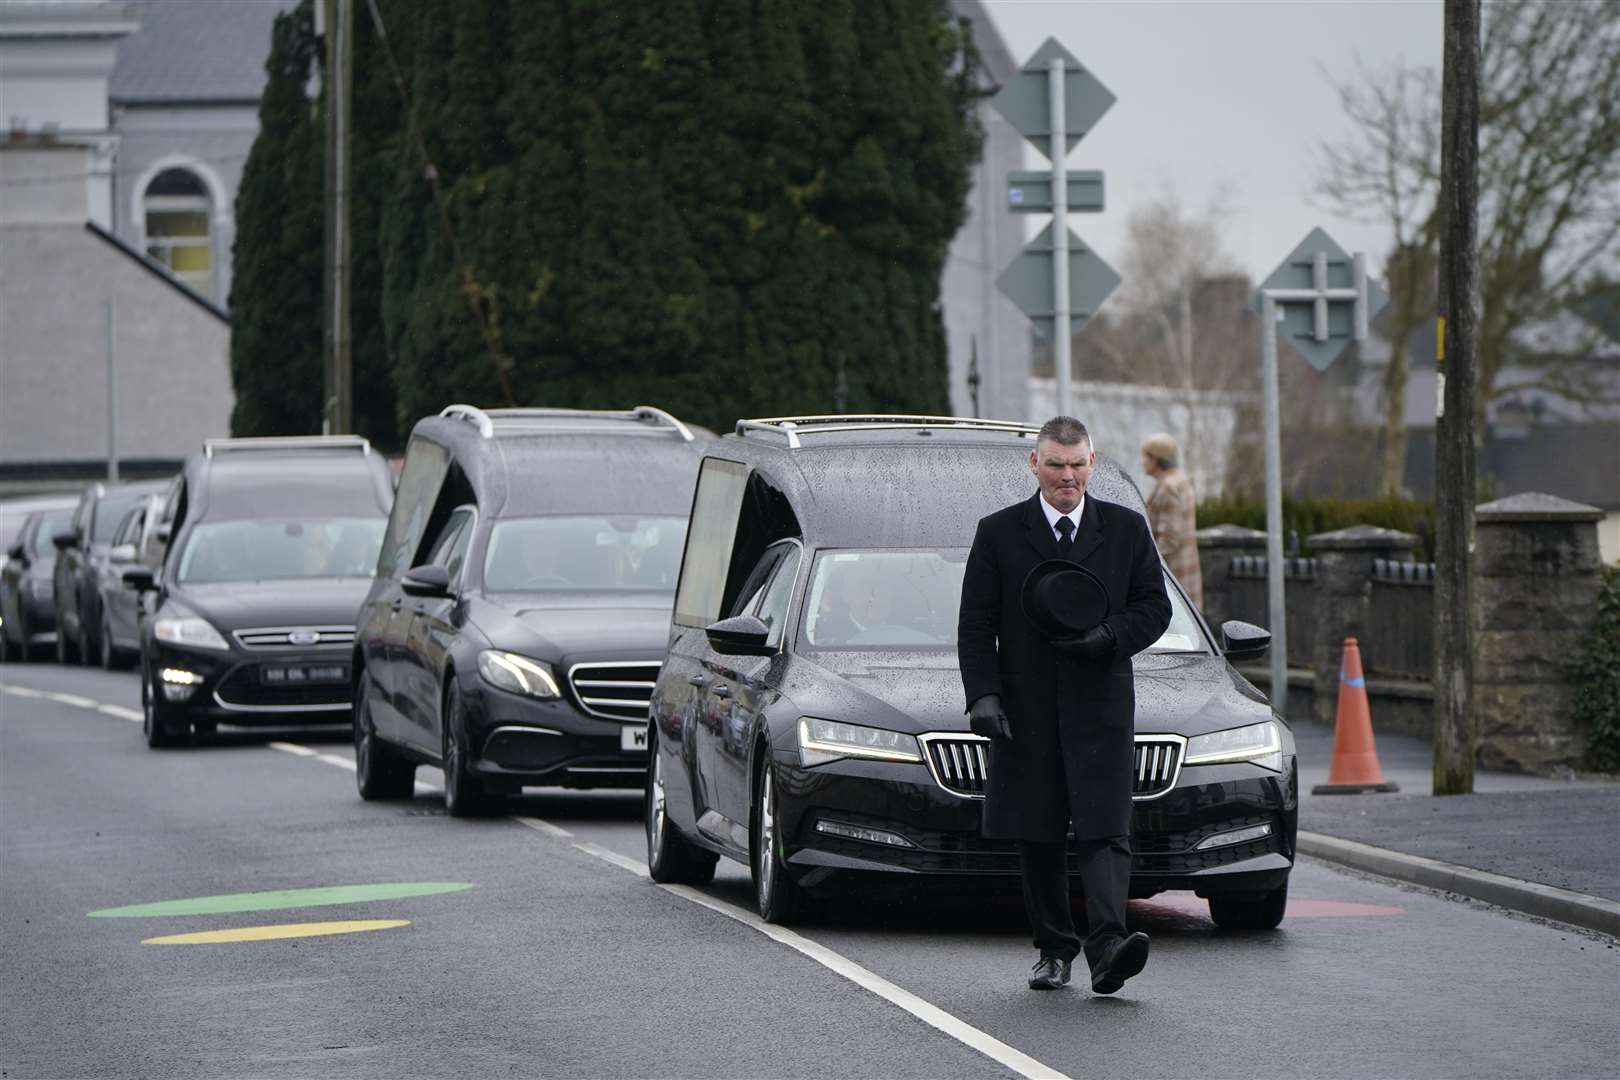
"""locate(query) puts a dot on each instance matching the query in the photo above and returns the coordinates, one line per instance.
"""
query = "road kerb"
(1529, 897)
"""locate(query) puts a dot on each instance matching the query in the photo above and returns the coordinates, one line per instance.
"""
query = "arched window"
(177, 216)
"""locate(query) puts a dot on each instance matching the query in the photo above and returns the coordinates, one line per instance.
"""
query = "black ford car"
(521, 606)
(271, 547)
(809, 720)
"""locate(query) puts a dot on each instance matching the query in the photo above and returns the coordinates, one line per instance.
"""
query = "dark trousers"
(1105, 875)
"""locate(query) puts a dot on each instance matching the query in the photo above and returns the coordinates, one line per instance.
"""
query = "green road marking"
(284, 898)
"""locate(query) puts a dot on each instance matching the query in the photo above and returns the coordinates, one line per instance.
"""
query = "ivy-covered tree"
(276, 281)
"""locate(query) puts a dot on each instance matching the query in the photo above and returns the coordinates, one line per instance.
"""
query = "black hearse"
(270, 547)
(521, 606)
(809, 719)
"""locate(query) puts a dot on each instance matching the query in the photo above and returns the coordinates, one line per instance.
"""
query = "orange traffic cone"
(1355, 758)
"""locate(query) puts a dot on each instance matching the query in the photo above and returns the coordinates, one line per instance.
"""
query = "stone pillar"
(1537, 561)
(1344, 562)
(1218, 545)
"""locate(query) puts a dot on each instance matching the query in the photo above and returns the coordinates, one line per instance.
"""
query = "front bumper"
(519, 741)
(233, 690)
(939, 832)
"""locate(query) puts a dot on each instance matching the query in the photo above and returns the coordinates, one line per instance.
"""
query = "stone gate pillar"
(1218, 545)
(1536, 593)
(1344, 563)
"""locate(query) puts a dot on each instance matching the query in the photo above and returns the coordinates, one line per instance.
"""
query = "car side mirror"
(162, 532)
(122, 553)
(429, 580)
(65, 538)
(16, 552)
(140, 578)
(740, 635)
(1244, 641)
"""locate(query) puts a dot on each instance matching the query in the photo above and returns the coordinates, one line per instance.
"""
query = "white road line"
(22, 691)
(932, 1015)
(121, 712)
(73, 699)
(292, 748)
(543, 826)
(334, 759)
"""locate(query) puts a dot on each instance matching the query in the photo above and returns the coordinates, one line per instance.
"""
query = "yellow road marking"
(276, 933)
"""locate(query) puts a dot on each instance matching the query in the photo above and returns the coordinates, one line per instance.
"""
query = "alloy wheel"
(765, 855)
(656, 812)
(108, 658)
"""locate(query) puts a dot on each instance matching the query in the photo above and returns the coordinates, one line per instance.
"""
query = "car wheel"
(1250, 912)
(7, 654)
(778, 895)
(379, 772)
(464, 793)
(671, 858)
(158, 723)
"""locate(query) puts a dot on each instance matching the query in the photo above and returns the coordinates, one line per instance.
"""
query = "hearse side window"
(451, 550)
(709, 541)
(174, 506)
(748, 596)
(419, 481)
(773, 607)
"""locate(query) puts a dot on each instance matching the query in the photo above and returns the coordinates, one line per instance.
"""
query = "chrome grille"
(1158, 763)
(307, 637)
(615, 690)
(961, 764)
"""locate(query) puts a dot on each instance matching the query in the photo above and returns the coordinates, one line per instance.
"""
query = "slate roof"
(195, 50)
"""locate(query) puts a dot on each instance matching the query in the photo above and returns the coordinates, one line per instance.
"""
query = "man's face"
(1062, 471)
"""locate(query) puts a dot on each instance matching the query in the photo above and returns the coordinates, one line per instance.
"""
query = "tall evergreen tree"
(276, 281)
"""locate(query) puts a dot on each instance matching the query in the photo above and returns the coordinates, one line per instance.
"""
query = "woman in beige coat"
(1173, 513)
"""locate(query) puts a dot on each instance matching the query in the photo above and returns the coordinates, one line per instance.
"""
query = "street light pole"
(1275, 607)
(337, 409)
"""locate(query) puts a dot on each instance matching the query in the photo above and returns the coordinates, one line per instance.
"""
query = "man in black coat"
(1060, 714)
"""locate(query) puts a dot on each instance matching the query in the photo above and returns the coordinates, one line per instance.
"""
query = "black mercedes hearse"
(809, 718)
(521, 605)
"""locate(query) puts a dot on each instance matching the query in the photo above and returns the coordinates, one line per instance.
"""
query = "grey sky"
(1222, 101)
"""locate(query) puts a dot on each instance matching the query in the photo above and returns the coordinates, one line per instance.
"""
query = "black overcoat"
(1073, 721)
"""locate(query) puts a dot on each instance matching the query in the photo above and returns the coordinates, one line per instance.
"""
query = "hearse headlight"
(188, 631)
(518, 674)
(821, 741)
(1260, 743)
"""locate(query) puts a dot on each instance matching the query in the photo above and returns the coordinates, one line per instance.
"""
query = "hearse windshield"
(610, 554)
(274, 549)
(909, 599)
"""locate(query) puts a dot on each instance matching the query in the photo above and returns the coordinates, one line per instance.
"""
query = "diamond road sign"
(1298, 319)
(1027, 281)
(1023, 101)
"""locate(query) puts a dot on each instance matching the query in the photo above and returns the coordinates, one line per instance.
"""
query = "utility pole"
(1454, 459)
(337, 407)
(112, 391)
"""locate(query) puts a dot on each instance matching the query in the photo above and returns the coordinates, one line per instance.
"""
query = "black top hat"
(1063, 599)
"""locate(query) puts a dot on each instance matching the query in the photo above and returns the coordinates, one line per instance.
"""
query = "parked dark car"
(136, 543)
(82, 549)
(809, 720)
(27, 609)
(271, 547)
(521, 606)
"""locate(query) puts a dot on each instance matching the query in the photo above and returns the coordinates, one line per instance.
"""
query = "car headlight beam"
(821, 741)
(188, 631)
(518, 674)
(1249, 743)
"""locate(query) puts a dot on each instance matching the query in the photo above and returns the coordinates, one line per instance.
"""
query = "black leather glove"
(1095, 644)
(987, 718)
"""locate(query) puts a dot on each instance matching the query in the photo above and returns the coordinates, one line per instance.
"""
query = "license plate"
(633, 738)
(304, 674)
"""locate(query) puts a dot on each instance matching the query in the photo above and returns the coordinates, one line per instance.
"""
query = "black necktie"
(1065, 543)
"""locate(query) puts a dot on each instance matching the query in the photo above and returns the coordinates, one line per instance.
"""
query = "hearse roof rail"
(535, 421)
(795, 428)
(259, 444)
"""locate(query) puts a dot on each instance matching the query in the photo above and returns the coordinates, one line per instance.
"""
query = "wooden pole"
(1454, 462)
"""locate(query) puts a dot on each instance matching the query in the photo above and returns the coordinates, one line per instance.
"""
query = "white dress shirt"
(1053, 513)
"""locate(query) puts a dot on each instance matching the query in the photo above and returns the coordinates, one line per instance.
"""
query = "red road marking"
(1173, 905)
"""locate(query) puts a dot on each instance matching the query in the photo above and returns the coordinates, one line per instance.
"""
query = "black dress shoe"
(1051, 973)
(1120, 961)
